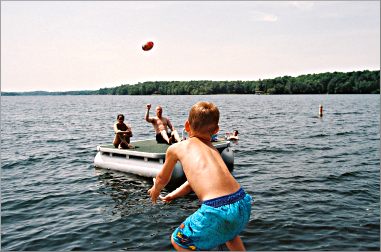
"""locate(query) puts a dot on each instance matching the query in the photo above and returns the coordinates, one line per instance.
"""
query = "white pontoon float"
(147, 158)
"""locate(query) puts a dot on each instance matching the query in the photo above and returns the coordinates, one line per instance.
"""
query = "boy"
(123, 133)
(225, 208)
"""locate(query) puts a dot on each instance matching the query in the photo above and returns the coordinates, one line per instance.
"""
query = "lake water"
(315, 181)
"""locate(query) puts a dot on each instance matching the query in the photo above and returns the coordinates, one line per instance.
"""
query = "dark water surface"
(315, 181)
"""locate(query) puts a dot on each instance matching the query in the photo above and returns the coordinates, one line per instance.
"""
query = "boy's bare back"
(206, 172)
(226, 207)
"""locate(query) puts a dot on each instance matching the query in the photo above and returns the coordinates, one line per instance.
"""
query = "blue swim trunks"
(215, 222)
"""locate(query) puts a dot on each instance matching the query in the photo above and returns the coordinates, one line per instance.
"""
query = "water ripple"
(315, 181)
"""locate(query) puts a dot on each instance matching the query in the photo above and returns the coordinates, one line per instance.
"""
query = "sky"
(88, 45)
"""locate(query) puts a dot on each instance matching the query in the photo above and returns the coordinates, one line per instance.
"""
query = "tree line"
(356, 82)
(43, 93)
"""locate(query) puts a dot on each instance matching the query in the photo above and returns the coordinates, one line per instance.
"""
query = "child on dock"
(123, 134)
(225, 209)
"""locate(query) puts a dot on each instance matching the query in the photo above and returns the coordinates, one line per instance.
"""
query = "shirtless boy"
(161, 124)
(123, 133)
(225, 209)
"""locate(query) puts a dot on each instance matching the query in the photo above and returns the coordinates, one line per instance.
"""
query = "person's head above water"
(203, 118)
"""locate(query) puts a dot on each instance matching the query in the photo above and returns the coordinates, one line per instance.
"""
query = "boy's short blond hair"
(204, 117)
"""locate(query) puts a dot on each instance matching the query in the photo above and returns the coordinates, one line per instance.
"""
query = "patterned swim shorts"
(215, 222)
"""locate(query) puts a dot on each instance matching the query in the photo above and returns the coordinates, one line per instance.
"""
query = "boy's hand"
(153, 193)
(148, 106)
(167, 198)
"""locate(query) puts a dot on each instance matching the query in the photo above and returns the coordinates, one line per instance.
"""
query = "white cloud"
(264, 17)
(303, 5)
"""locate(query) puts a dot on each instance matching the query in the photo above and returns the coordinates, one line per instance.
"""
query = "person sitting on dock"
(123, 133)
(161, 125)
(225, 208)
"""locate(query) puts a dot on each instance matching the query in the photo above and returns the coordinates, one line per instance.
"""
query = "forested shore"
(356, 82)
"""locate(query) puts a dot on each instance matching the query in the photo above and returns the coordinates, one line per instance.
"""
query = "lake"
(315, 181)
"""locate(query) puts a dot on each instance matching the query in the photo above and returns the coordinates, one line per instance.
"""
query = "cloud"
(264, 17)
(302, 5)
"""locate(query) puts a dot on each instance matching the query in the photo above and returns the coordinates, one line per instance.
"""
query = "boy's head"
(120, 117)
(204, 117)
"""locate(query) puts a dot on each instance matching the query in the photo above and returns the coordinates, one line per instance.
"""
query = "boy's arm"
(184, 189)
(129, 130)
(164, 174)
(115, 129)
(148, 119)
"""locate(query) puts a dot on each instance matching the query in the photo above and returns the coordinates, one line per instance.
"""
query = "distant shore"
(356, 82)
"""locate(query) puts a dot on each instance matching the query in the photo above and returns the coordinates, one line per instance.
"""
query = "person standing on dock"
(123, 133)
(161, 125)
